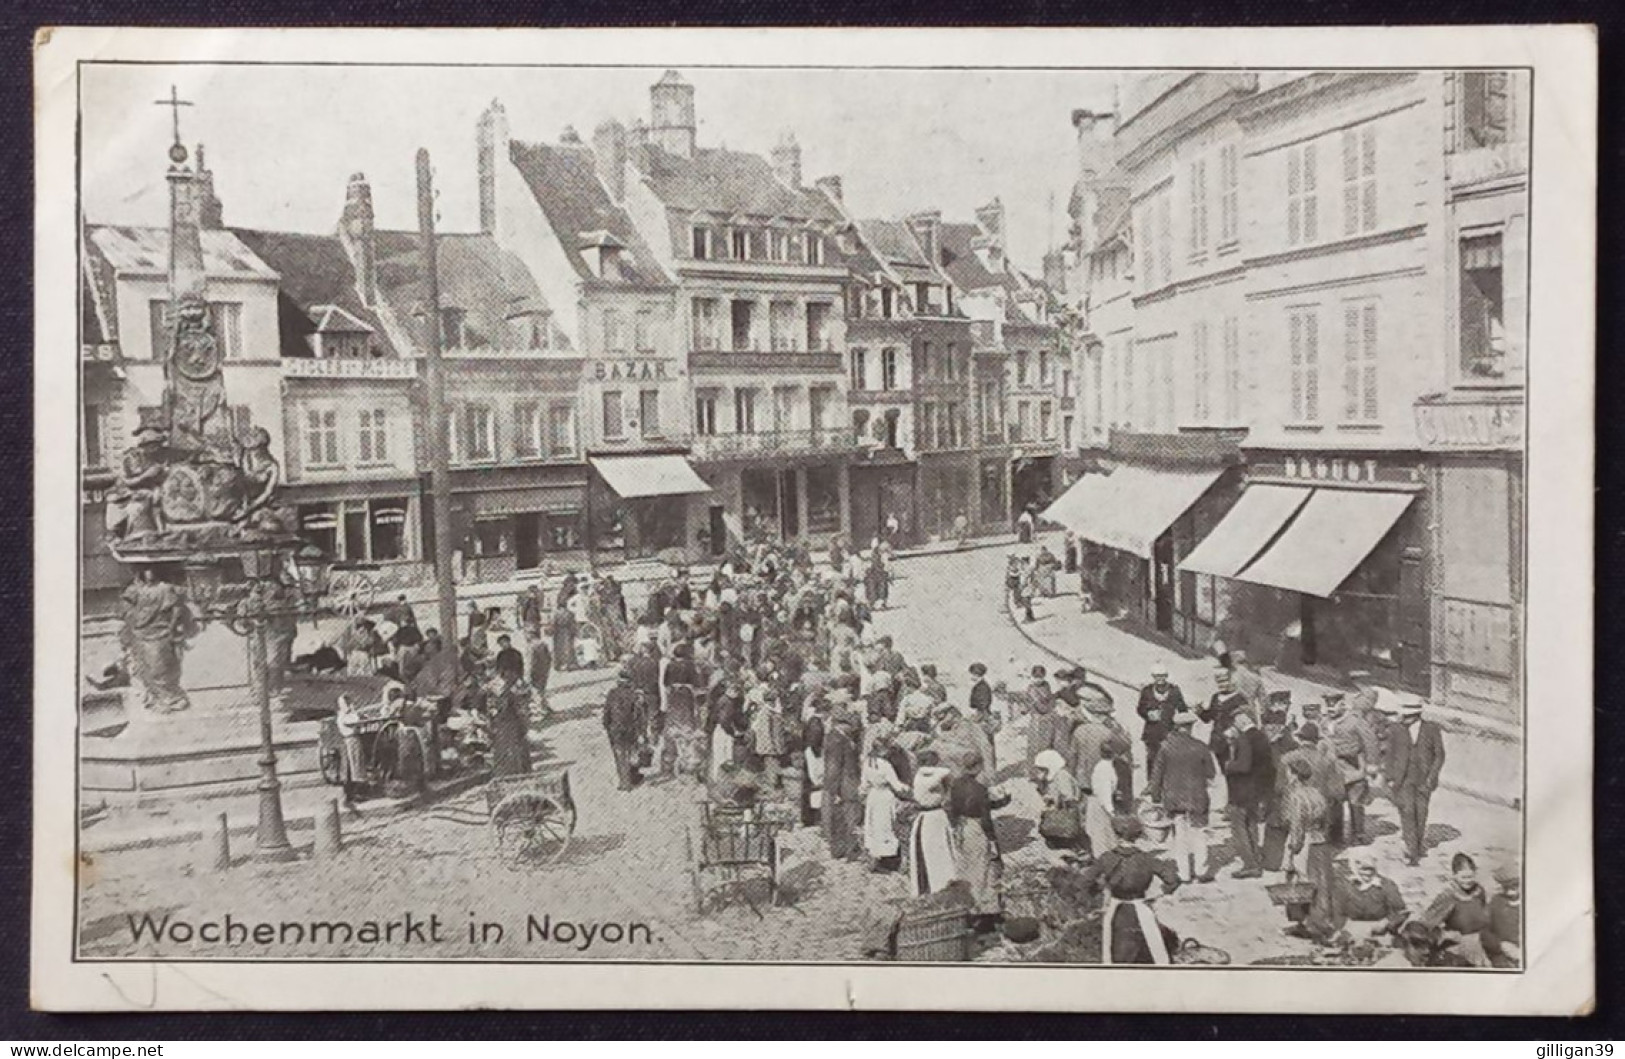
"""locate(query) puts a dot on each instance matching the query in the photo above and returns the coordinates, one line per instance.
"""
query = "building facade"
(1307, 279)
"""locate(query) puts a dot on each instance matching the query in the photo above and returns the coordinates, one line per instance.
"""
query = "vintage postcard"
(1090, 520)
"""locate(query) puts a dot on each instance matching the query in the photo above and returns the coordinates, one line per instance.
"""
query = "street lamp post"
(249, 608)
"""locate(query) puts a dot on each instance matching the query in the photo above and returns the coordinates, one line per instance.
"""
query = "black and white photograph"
(685, 513)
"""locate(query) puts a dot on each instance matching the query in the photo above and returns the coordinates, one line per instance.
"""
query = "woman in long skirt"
(933, 856)
(1106, 796)
(881, 789)
(970, 809)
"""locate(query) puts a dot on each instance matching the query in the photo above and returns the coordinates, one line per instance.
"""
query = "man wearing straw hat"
(1413, 760)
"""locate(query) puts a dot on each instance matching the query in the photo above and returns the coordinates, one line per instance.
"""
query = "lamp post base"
(271, 837)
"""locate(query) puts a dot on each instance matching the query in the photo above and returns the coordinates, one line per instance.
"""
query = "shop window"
(823, 500)
(355, 533)
(388, 529)
(319, 525)
(492, 536)
(561, 533)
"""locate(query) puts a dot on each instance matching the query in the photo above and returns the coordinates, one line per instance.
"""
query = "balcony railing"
(766, 361)
(773, 443)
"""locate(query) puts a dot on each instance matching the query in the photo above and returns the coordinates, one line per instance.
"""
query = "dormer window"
(602, 252)
(815, 249)
(739, 240)
(453, 328)
(701, 246)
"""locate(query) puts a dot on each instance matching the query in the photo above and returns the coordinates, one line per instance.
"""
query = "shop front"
(640, 504)
(1032, 483)
(512, 521)
(884, 487)
(1137, 517)
(1321, 563)
(947, 483)
(377, 525)
(793, 498)
(1474, 443)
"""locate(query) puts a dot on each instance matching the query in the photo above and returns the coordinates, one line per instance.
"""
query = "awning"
(548, 500)
(1331, 536)
(637, 476)
(1131, 507)
(1244, 532)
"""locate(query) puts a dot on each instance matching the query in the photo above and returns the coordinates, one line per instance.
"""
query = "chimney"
(356, 234)
(990, 244)
(609, 156)
(186, 273)
(491, 150)
(927, 228)
(671, 114)
(210, 214)
(832, 187)
(787, 160)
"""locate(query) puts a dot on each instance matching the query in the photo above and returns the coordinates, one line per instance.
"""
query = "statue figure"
(133, 505)
(157, 625)
(261, 471)
(200, 421)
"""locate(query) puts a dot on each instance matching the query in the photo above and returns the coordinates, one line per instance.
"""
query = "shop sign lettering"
(630, 371)
(1471, 426)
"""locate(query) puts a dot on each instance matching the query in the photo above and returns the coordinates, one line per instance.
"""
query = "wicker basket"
(1295, 897)
(935, 937)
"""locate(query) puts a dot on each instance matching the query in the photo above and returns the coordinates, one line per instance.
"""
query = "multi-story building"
(1472, 431)
(560, 208)
(761, 306)
(1317, 281)
(1019, 366)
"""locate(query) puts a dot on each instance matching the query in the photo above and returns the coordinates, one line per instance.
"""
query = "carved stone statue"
(261, 471)
(157, 626)
(200, 422)
(133, 507)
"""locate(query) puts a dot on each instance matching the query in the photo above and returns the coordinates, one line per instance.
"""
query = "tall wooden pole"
(439, 437)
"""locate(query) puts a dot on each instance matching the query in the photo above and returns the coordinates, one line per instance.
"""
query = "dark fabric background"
(17, 22)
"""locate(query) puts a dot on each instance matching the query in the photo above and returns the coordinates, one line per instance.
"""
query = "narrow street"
(628, 862)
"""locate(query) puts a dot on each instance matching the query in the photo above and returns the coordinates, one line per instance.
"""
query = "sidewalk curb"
(118, 841)
(1467, 730)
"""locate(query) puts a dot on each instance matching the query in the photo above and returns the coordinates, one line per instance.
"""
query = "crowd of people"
(766, 682)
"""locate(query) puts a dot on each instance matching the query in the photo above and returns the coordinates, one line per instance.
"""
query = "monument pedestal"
(211, 749)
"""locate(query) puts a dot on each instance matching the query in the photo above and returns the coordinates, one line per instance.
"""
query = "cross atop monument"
(174, 103)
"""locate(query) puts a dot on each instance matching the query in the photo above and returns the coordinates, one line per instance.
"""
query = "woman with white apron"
(932, 857)
(1130, 933)
(881, 789)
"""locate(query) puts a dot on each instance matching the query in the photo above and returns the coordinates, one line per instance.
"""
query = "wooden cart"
(730, 847)
(532, 815)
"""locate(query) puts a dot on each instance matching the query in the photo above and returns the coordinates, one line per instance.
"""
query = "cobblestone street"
(628, 861)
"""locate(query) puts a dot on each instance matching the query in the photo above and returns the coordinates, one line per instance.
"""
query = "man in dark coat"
(1413, 761)
(1221, 711)
(508, 658)
(1249, 774)
(1179, 780)
(541, 665)
(1159, 701)
(1278, 734)
(622, 724)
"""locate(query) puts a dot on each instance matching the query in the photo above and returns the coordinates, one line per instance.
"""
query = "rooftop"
(564, 181)
(318, 283)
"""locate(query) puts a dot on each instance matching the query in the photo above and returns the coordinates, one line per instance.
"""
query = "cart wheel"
(547, 835)
(351, 592)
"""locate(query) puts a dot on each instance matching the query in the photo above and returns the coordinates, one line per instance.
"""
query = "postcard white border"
(1559, 978)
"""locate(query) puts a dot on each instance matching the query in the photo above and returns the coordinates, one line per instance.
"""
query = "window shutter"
(1369, 368)
(1311, 366)
(1296, 346)
(1351, 361)
(1311, 208)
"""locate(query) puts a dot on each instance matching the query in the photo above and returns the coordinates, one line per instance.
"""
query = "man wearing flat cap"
(1159, 701)
(1412, 762)
(1179, 783)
